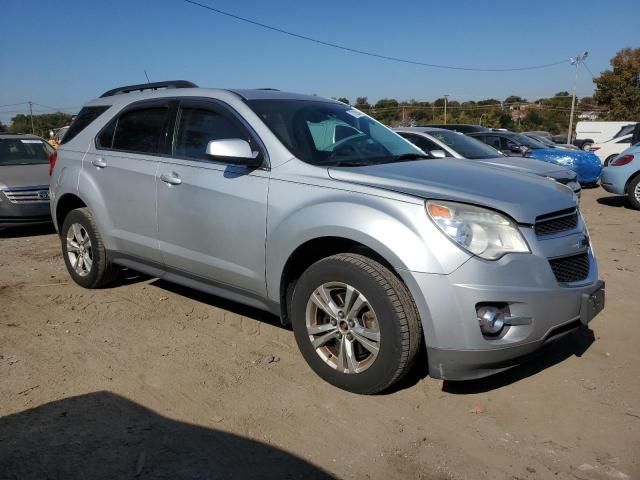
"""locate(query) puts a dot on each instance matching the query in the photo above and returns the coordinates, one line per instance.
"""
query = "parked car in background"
(590, 133)
(622, 175)
(55, 136)
(461, 127)
(370, 248)
(585, 164)
(548, 141)
(607, 151)
(446, 143)
(24, 180)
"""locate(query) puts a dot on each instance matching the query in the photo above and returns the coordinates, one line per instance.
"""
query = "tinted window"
(494, 141)
(140, 130)
(198, 127)
(105, 138)
(86, 116)
(23, 151)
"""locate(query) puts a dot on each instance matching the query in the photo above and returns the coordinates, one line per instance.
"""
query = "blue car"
(622, 175)
(586, 164)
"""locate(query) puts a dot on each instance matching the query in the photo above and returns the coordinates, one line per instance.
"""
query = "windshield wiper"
(405, 157)
(351, 163)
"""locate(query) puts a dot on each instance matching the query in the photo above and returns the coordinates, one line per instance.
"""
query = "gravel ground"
(150, 380)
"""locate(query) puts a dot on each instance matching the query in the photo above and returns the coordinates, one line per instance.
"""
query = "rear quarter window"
(85, 117)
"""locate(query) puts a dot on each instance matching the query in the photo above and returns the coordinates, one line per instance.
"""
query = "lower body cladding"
(22, 214)
(518, 302)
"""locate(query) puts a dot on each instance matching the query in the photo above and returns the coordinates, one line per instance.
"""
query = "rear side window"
(139, 130)
(86, 116)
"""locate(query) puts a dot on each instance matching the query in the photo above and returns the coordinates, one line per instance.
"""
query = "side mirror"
(233, 150)
(438, 153)
(518, 148)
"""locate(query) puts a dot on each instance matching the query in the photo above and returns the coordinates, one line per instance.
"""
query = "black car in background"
(461, 127)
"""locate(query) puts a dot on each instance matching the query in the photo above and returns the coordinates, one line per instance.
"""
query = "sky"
(61, 53)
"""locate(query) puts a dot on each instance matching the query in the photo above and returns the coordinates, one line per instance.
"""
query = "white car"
(607, 151)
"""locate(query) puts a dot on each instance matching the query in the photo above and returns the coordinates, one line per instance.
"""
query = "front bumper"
(22, 214)
(524, 283)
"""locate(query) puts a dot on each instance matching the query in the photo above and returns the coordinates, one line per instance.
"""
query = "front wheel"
(355, 323)
(633, 193)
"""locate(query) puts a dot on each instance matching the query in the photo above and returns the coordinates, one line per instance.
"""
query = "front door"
(212, 215)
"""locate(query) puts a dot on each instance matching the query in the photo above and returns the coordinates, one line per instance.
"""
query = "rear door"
(123, 170)
(211, 214)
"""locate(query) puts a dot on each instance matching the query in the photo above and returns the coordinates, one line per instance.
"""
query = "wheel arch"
(65, 204)
(631, 178)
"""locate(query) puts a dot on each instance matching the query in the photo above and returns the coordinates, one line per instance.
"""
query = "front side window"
(198, 126)
(423, 143)
(139, 130)
(23, 151)
(494, 141)
(325, 133)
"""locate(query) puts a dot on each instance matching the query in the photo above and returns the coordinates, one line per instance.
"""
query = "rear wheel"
(633, 193)
(83, 250)
(355, 323)
(586, 146)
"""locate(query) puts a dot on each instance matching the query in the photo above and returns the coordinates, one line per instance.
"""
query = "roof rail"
(269, 88)
(149, 86)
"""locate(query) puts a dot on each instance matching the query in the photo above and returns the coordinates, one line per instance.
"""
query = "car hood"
(586, 164)
(526, 165)
(12, 176)
(523, 197)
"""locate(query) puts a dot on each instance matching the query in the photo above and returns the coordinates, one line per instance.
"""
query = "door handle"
(171, 178)
(99, 162)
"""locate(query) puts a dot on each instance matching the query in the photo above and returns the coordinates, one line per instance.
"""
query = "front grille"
(556, 222)
(38, 194)
(571, 269)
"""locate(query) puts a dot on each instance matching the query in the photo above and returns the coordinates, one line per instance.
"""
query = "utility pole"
(445, 108)
(403, 117)
(33, 130)
(574, 61)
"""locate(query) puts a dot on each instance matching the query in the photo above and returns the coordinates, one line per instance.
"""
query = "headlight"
(480, 231)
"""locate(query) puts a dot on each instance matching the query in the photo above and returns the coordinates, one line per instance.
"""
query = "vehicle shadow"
(27, 231)
(219, 302)
(619, 201)
(575, 343)
(101, 435)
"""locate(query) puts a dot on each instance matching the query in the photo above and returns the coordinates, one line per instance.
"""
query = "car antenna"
(145, 74)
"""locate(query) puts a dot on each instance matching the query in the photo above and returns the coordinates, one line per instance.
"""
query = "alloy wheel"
(79, 250)
(343, 327)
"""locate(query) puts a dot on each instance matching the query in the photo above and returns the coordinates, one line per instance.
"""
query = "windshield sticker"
(355, 113)
(31, 141)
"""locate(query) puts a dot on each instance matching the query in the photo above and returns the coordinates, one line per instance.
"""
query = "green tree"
(41, 123)
(618, 89)
(3, 127)
(511, 99)
(344, 100)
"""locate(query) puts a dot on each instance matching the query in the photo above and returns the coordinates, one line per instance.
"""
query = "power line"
(13, 104)
(363, 52)
(588, 69)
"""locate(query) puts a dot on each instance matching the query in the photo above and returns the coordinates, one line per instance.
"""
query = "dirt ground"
(150, 380)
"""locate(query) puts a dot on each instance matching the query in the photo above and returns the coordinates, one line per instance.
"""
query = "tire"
(607, 161)
(633, 192)
(586, 146)
(388, 309)
(93, 269)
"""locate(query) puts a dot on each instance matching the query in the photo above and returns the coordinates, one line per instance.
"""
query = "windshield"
(23, 151)
(325, 133)
(527, 141)
(466, 146)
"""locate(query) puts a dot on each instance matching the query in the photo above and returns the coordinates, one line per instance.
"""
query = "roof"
(6, 135)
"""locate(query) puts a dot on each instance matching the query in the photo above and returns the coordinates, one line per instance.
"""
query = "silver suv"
(314, 211)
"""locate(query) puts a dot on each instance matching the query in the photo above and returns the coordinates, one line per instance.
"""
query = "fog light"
(491, 320)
